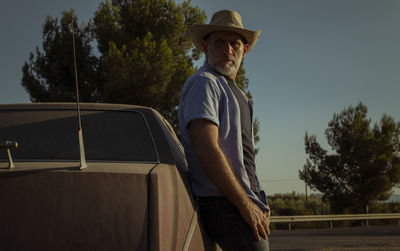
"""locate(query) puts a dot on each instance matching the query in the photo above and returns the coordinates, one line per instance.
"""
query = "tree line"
(298, 204)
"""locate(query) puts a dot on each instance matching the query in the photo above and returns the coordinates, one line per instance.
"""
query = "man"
(215, 121)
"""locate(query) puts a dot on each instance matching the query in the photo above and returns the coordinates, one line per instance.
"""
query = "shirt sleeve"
(202, 101)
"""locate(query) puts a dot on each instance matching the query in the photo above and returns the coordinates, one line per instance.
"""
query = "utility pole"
(306, 195)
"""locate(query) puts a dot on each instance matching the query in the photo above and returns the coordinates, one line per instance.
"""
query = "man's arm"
(204, 136)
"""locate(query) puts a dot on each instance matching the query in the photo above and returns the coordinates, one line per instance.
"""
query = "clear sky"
(313, 59)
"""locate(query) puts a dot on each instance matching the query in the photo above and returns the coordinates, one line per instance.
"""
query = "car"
(134, 193)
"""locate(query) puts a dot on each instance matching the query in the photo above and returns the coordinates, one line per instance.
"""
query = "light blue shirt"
(206, 95)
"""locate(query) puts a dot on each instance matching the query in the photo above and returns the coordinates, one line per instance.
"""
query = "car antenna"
(80, 134)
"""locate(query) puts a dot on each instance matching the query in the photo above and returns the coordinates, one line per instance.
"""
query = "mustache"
(228, 58)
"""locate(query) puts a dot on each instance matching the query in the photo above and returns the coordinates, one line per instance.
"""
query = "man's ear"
(245, 49)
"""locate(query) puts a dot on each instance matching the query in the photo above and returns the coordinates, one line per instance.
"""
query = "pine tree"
(364, 165)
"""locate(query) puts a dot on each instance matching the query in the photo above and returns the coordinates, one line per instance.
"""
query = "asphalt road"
(384, 238)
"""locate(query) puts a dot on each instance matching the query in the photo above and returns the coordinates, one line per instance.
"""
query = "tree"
(147, 51)
(364, 165)
(145, 55)
(49, 74)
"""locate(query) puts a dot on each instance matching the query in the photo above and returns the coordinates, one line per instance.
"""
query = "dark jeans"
(224, 225)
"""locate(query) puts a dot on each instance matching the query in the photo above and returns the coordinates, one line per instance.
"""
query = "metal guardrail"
(334, 217)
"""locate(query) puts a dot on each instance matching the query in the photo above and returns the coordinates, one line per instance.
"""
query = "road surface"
(381, 238)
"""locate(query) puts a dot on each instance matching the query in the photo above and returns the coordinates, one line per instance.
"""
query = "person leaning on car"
(215, 121)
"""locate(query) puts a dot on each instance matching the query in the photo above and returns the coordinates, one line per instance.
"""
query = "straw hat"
(224, 20)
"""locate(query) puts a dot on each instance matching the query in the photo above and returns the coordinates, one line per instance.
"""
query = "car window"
(53, 135)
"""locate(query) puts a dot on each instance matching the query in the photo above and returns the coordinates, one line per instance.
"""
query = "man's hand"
(257, 219)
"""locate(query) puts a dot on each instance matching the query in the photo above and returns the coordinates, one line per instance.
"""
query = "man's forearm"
(219, 170)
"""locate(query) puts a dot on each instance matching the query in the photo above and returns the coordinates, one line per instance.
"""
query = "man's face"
(224, 51)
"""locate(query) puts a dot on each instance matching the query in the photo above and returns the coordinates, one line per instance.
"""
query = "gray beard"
(225, 70)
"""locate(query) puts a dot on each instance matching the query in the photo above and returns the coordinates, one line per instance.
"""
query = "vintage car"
(134, 193)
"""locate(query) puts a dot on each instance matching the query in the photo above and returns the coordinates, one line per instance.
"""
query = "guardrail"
(334, 217)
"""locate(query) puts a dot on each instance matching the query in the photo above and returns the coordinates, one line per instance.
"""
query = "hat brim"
(199, 31)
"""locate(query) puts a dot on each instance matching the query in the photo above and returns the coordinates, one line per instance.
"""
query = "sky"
(313, 58)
